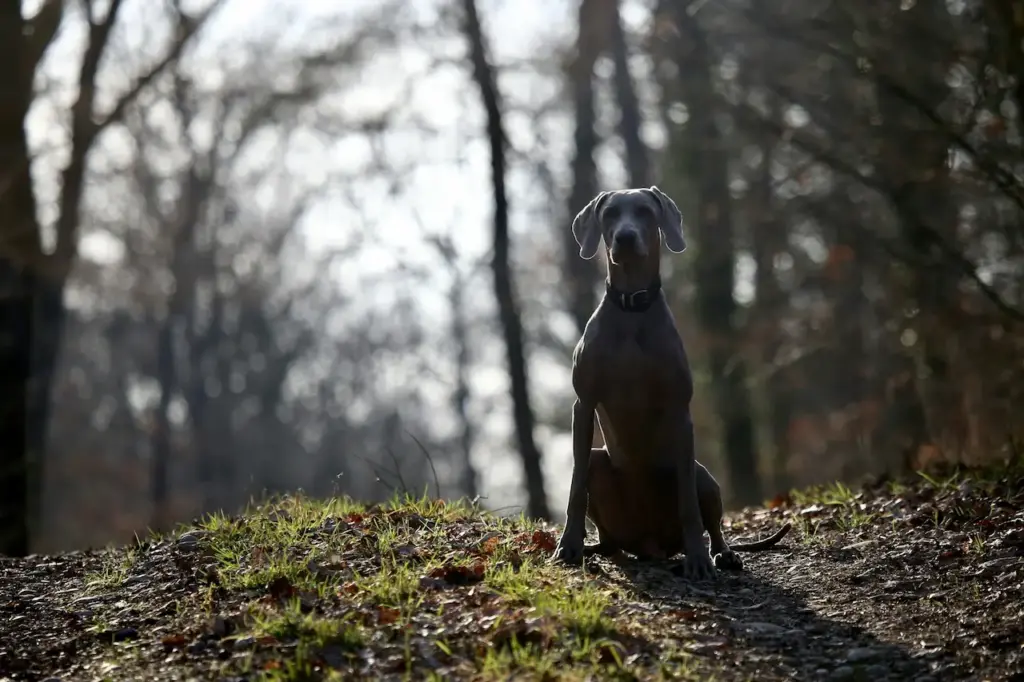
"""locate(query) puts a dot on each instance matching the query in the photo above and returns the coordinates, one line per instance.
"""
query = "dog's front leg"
(570, 545)
(698, 564)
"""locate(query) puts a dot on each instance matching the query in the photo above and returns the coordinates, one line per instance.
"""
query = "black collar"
(635, 301)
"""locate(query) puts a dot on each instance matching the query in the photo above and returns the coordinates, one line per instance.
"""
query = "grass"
(297, 589)
(114, 572)
(417, 583)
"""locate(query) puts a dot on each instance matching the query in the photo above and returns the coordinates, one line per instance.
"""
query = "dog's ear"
(670, 221)
(586, 227)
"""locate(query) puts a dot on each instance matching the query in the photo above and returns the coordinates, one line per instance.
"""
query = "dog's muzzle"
(626, 241)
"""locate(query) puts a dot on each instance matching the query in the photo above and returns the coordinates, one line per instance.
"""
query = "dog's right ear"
(586, 227)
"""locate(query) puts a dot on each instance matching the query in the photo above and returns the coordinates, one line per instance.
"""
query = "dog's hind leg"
(709, 497)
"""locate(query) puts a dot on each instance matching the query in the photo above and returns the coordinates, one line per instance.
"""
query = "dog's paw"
(568, 551)
(698, 566)
(728, 561)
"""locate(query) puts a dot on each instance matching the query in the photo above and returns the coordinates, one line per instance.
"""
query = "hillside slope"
(918, 581)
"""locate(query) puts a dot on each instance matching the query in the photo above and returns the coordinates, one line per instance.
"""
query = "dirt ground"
(921, 580)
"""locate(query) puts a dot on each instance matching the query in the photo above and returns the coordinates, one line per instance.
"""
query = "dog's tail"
(764, 544)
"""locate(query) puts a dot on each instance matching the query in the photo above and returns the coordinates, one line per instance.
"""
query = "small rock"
(220, 626)
(763, 628)
(844, 672)
(124, 634)
(1014, 538)
(861, 654)
(190, 540)
(243, 643)
(876, 672)
(196, 647)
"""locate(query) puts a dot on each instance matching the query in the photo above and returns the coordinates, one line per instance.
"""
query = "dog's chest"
(641, 366)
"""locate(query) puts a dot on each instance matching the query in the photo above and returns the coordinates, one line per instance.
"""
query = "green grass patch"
(432, 584)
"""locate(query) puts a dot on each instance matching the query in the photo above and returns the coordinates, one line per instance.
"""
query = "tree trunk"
(583, 275)
(769, 239)
(162, 434)
(707, 162)
(630, 117)
(460, 399)
(916, 167)
(21, 255)
(511, 323)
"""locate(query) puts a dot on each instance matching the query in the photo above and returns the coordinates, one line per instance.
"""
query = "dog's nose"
(626, 239)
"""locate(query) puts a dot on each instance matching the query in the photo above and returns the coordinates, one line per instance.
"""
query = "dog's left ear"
(586, 227)
(670, 220)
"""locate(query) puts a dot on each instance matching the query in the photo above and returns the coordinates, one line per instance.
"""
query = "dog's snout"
(626, 239)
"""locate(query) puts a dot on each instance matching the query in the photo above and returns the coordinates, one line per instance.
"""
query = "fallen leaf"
(173, 641)
(459, 574)
(489, 546)
(532, 632)
(543, 541)
(387, 615)
(280, 588)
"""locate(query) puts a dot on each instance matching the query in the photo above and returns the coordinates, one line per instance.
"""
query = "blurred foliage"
(849, 175)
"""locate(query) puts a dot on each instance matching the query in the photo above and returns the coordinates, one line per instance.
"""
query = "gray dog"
(645, 491)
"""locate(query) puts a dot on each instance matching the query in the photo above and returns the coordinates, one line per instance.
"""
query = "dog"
(644, 490)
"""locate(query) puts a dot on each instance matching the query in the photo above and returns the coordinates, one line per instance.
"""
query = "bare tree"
(49, 272)
(511, 323)
(19, 258)
(591, 40)
(707, 165)
(461, 395)
(630, 115)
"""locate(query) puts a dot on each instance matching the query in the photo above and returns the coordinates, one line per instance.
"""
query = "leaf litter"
(912, 580)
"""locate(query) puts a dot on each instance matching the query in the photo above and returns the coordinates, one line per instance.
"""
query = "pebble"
(190, 540)
(196, 647)
(861, 654)
(243, 643)
(844, 672)
(876, 672)
(220, 626)
(763, 628)
(125, 634)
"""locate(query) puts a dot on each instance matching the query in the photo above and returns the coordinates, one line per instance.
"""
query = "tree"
(707, 164)
(19, 261)
(591, 40)
(511, 323)
(41, 277)
(630, 115)
(469, 484)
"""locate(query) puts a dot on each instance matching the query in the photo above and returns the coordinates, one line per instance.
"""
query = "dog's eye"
(612, 212)
(644, 212)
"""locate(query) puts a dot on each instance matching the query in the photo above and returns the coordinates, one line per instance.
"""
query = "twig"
(430, 461)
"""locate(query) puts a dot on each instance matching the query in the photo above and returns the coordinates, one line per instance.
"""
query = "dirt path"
(920, 582)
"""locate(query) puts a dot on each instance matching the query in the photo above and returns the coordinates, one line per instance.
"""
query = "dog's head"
(629, 221)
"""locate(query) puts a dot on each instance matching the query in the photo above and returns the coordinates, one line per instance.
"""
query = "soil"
(921, 580)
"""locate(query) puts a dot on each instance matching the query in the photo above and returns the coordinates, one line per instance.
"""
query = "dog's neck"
(634, 284)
